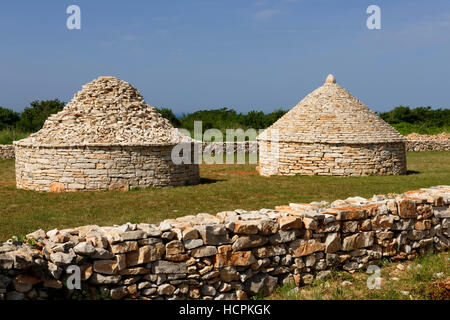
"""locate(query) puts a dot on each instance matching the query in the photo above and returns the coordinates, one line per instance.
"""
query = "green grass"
(7, 136)
(224, 187)
(416, 280)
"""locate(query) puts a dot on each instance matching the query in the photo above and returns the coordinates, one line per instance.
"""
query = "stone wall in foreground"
(232, 255)
(6, 151)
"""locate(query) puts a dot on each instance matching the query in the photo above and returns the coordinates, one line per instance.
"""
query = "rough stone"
(261, 284)
(145, 254)
(84, 248)
(282, 237)
(166, 289)
(246, 242)
(245, 227)
(204, 251)
(287, 223)
(332, 243)
(166, 267)
(193, 243)
(406, 208)
(174, 247)
(359, 240)
(305, 247)
(213, 234)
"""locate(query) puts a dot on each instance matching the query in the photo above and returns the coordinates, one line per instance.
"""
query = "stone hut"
(106, 138)
(330, 132)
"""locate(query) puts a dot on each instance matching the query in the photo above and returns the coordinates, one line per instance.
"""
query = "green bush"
(225, 118)
(8, 118)
(169, 115)
(423, 120)
(406, 128)
(7, 136)
(33, 117)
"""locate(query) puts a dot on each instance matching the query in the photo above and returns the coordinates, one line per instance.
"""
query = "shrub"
(33, 117)
(8, 118)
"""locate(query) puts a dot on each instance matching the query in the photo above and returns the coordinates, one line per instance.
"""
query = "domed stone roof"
(330, 114)
(107, 111)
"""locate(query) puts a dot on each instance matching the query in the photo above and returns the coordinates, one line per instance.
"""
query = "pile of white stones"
(238, 147)
(106, 111)
(232, 255)
(424, 142)
(428, 137)
(6, 152)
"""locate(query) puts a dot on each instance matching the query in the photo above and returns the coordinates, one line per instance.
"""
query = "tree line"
(223, 119)
(424, 120)
(16, 126)
(32, 118)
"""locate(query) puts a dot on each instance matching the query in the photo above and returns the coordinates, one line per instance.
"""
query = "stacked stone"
(230, 147)
(251, 147)
(429, 137)
(106, 111)
(330, 132)
(424, 142)
(6, 152)
(105, 138)
(232, 255)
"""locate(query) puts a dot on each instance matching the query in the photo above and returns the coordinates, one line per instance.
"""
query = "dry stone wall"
(232, 255)
(421, 145)
(230, 147)
(291, 158)
(425, 142)
(6, 151)
(105, 167)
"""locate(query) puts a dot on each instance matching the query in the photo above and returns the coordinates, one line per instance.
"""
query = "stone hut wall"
(6, 151)
(232, 255)
(331, 159)
(99, 168)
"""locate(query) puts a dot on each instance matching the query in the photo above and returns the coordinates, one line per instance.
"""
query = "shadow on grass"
(411, 172)
(209, 181)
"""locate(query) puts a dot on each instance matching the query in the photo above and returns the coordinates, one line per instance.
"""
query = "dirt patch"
(440, 290)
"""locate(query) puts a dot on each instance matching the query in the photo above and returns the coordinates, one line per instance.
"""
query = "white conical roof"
(106, 111)
(330, 114)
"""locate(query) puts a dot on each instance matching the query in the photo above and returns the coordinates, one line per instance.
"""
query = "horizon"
(258, 55)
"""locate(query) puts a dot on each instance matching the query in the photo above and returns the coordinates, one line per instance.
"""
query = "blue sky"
(260, 54)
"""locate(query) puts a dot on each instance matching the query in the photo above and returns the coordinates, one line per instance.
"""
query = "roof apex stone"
(330, 79)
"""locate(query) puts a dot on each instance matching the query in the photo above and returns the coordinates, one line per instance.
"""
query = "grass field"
(423, 278)
(224, 187)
